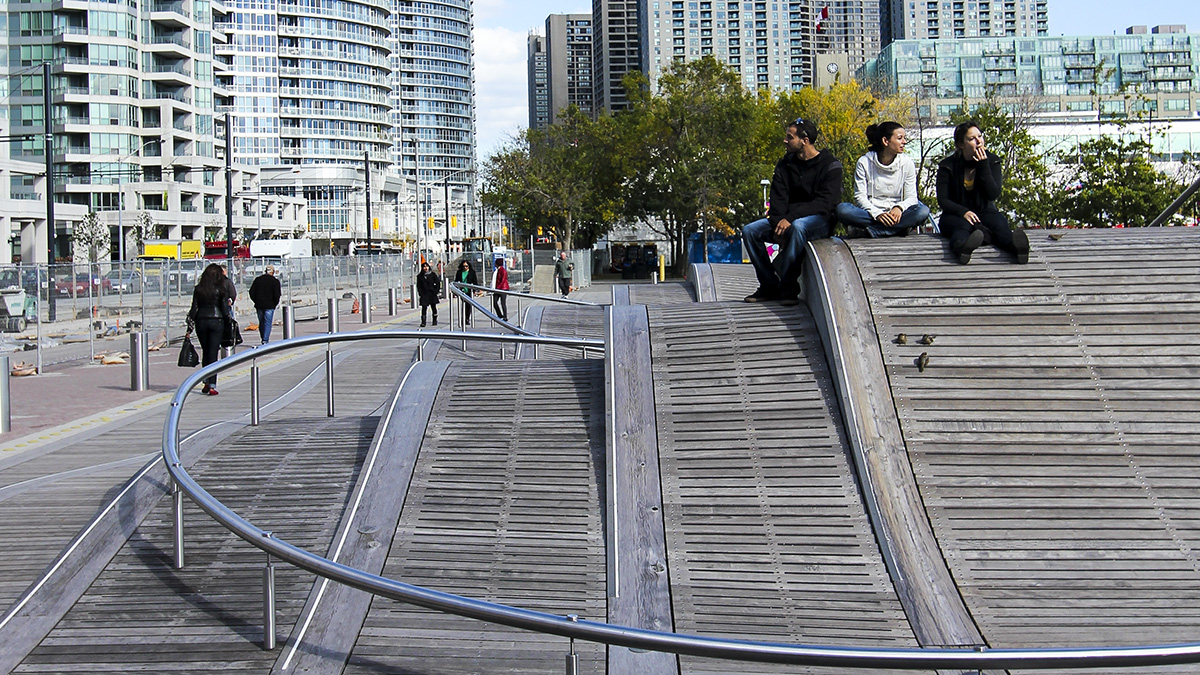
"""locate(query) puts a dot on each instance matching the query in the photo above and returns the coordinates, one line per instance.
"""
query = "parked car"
(125, 281)
(78, 286)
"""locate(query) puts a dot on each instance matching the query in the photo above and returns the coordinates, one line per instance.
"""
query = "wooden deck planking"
(1049, 472)
(767, 536)
(504, 505)
(732, 281)
(284, 476)
(662, 293)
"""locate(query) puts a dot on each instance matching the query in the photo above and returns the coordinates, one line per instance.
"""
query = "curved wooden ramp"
(1053, 431)
(766, 532)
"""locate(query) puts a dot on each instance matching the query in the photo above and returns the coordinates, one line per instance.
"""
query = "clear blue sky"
(501, 28)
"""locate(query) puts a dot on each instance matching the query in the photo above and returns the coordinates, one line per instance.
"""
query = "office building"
(1108, 75)
(921, 19)
(569, 63)
(772, 45)
(539, 82)
(619, 31)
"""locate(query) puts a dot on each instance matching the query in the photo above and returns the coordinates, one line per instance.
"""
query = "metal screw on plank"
(268, 602)
(572, 657)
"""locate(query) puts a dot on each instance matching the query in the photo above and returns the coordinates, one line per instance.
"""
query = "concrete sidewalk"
(74, 397)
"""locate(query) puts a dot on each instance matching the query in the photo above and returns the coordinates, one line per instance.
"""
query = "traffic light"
(431, 222)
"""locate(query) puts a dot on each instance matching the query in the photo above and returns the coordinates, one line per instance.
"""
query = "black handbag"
(188, 358)
(233, 333)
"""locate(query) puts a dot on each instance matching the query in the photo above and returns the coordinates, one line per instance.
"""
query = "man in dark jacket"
(805, 192)
(429, 286)
(265, 292)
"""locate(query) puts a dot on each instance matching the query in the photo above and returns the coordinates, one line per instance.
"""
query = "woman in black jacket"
(210, 309)
(968, 184)
(428, 289)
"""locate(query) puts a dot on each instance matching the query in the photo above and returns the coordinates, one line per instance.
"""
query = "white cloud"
(501, 94)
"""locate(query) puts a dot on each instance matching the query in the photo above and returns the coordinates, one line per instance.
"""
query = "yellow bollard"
(662, 267)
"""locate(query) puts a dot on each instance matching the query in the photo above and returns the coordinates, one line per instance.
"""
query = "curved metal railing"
(981, 658)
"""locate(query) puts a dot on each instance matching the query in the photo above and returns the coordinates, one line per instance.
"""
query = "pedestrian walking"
(466, 275)
(206, 318)
(564, 272)
(500, 283)
(429, 286)
(265, 292)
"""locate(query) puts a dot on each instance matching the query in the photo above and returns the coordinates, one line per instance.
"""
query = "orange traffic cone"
(354, 309)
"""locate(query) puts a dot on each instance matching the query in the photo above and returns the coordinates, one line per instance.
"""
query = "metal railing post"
(420, 349)
(329, 379)
(333, 315)
(177, 514)
(572, 657)
(366, 306)
(5, 400)
(391, 302)
(289, 322)
(268, 602)
(139, 362)
(254, 400)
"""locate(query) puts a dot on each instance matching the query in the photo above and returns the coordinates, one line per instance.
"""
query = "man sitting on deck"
(805, 192)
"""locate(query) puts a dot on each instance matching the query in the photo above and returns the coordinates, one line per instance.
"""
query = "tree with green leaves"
(553, 178)
(693, 153)
(1116, 183)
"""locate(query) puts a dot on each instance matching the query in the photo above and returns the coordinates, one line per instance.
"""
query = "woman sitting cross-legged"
(968, 184)
(885, 188)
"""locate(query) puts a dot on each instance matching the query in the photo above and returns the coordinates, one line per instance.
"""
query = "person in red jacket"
(500, 283)
(805, 192)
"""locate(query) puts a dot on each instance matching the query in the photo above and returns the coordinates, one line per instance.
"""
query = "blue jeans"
(791, 251)
(852, 214)
(265, 317)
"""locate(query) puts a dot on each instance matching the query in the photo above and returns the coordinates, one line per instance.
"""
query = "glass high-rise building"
(539, 82)
(433, 90)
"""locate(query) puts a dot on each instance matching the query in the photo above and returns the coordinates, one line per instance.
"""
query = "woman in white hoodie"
(885, 188)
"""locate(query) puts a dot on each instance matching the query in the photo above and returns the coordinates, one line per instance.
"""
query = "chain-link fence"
(73, 312)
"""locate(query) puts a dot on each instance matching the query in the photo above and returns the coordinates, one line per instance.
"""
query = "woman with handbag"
(207, 317)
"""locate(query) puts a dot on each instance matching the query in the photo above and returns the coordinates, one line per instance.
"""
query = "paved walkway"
(76, 397)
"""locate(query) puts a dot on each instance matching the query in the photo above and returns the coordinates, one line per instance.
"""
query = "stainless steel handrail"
(1177, 204)
(456, 290)
(531, 296)
(572, 627)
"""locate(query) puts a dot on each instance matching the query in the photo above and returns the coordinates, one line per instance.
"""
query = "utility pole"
(229, 190)
(446, 204)
(367, 168)
(48, 121)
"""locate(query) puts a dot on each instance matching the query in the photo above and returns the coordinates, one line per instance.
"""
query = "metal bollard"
(254, 411)
(268, 602)
(289, 322)
(333, 315)
(412, 296)
(5, 401)
(391, 302)
(366, 306)
(139, 362)
(654, 277)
